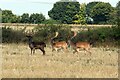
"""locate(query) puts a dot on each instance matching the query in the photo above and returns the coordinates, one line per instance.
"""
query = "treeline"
(69, 13)
(9, 17)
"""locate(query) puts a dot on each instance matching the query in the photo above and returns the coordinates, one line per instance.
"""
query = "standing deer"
(78, 45)
(56, 45)
(36, 45)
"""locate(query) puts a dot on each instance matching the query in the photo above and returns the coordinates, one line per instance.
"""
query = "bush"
(9, 35)
(100, 35)
(45, 33)
(51, 21)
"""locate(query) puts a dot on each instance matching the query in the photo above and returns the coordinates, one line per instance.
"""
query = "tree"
(8, 16)
(118, 14)
(25, 18)
(51, 21)
(113, 16)
(15, 19)
(89, 7)
(101, 12)
(0, 15)
(18, 19)
(80, 18)
(36, 18)
(64, 11)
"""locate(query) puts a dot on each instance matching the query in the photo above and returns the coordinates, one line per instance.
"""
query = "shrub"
(45, 33)
(9, 35)
(100, 35)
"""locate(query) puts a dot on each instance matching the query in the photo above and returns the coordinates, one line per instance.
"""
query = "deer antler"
(75, 33)
(28, 33)
(56, 34)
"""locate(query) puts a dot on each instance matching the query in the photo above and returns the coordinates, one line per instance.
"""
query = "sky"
(19, 7)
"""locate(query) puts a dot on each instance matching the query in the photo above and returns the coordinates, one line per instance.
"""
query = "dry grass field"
(17, 62)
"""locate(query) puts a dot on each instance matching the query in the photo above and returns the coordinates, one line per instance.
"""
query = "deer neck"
(30, 40)
(70, 43)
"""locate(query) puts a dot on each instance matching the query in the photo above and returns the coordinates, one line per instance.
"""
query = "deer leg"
(53, 48)
(42, 49)
(58, 49)
(88, 50)
(65, 49)
(31, 51)
(75, 50)
(78, 49)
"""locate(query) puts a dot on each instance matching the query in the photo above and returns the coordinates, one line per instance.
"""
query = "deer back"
(60, 44)
(83, 45)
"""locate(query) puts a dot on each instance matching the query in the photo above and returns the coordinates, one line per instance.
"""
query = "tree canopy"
(69, 12)
(36, 18)
(101, 12)
(25, 18)
(118, 13)
(80, 18)
(89, 7)
(64, 11)
(8, 16)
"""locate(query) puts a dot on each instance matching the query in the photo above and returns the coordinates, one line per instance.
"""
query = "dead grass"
(19, 63)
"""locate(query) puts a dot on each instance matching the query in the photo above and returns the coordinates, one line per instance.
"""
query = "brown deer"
(35, 45)
(76, 46)
(57, 45)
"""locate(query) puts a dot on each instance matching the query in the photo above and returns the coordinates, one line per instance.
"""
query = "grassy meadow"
(17, 62)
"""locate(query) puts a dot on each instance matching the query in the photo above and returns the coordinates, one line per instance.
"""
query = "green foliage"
(36, 18)
(9, 35)
(51, 21)
(100, 35)
(45, 33)
(64, 11)
(25, 18)
(68, 12)
(101, 12)
(0, 15)
(8, 16)
(118, 14)
(89, 7)
(80, 18)
(113, 17)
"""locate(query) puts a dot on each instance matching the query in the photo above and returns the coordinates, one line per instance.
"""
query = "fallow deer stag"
(57, 45)
(78, 45)
(35, 45)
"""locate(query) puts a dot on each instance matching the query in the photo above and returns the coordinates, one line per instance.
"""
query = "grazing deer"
(57, 45)
(78, 45)
(36, 45)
